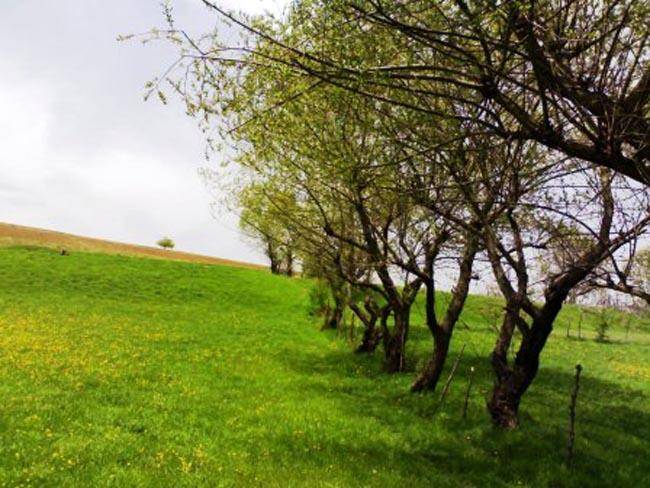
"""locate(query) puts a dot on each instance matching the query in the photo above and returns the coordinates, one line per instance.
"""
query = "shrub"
(166, 243)
(319, 298)
(603, 325)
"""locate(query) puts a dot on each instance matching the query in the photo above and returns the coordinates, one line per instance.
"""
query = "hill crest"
(20, 235)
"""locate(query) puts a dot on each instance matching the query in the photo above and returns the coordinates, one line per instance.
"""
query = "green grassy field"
(136, 372)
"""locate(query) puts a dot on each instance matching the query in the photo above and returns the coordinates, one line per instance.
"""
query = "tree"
(260, 206)
(166, 243)
(571, 75)
(373, 310)
(327, 152)
(336, 266)
(414, 132)
(350, 161)
(535, 218)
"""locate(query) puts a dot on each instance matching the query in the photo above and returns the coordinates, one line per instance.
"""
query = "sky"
(81, 151)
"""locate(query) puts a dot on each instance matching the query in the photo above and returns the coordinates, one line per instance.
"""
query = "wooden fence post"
(580, 325)
(451, 376)
(469, 387)
(572, 417)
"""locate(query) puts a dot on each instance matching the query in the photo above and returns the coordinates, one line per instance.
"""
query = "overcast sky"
(80, 151)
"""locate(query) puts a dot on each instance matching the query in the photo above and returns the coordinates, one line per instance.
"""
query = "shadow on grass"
(613, 430)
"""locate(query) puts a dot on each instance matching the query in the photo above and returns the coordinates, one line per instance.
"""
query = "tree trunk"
(395, 343)
(372, 335)
(371, 338)
(442, 332)
(394, 355)
(289, 264)
(428, 378)
(509, 387)
(504, 403)
(271, 253)
(334, 318)
(512, 381)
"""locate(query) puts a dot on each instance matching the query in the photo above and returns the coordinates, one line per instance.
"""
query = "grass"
(19, 235)
(137, 372)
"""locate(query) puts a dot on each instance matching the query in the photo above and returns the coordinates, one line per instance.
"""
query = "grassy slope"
(19, 235)
(130, 371)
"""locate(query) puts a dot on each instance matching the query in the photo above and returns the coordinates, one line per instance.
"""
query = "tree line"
(384, 145)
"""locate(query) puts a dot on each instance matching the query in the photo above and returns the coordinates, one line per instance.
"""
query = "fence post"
(469, 387)
(451, 376)
(572, 417)
(580, 325)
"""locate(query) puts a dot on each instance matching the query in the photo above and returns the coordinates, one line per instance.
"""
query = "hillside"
(18, 235)
(141, 372)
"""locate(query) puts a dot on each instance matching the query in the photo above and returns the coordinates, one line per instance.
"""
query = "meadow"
(125, 371)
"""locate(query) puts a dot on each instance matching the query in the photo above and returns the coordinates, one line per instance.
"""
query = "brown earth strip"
(18, 235)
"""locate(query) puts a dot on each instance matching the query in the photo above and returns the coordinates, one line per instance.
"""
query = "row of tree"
(391, 147)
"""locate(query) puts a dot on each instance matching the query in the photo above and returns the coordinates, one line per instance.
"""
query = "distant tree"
(166, 243)
(605, 318)
(263, 208)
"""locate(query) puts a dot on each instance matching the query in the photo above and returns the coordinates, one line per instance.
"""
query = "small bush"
(319, 299)
(166, 243)
(603, 325)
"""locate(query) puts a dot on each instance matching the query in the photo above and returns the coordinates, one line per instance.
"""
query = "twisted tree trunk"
(395, 343)
(442, 332)
(372, 334)
(511, 382)
(430, 375)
